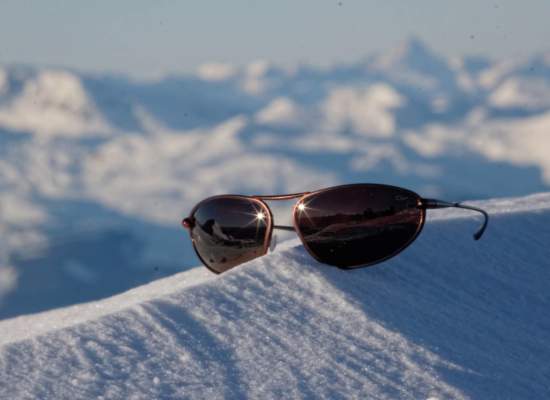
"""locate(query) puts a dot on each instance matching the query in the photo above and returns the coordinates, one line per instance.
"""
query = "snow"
(525, 93)
(216, 71)
(524, 143)
(254, 80)
(54, 103)
(527, 143)
(169, 169)
(8, 278)
(367, 111)
(15, 210)
(4, 84)
(492, 76)
(280, 111)
(448, 318)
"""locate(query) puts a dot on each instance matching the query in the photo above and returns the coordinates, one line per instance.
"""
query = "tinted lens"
(357, 225)
(229, 231)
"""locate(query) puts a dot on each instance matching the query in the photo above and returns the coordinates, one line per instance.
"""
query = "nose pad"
(273, 243)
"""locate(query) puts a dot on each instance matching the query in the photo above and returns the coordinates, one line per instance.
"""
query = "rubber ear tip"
(187, 223)
(479, 234)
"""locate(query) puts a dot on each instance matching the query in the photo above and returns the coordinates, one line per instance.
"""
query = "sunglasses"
(349, 226)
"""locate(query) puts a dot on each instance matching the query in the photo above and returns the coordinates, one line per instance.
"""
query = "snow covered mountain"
(97, 170)
(449, 318)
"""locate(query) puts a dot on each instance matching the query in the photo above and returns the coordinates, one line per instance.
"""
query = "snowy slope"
(448, 318)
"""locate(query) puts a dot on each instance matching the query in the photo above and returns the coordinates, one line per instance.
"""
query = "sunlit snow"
(448, 318)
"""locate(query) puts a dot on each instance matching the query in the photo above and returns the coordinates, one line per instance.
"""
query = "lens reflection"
(357, 225)
(229, 231)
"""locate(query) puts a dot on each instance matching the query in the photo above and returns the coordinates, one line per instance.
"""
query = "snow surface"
(448, 318)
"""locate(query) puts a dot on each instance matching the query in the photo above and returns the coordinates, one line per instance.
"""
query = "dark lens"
(229, 231)
(357, 225)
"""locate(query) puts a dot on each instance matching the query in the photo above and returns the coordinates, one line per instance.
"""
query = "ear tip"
(187, 223)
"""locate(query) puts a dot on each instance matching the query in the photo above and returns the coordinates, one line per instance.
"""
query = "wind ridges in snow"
(448, 318)
(27, 326)
(82, 312)
(20, 328)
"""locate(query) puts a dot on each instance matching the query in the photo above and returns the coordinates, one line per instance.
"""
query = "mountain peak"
(414, 45)
(414, 63)
(409, 52)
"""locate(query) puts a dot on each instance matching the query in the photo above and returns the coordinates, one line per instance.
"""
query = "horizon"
(141, 39)
(195, 71)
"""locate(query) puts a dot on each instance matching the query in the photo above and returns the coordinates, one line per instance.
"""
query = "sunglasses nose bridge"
(291, 197)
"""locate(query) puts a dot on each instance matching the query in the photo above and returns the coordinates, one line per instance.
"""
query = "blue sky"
(147, 38)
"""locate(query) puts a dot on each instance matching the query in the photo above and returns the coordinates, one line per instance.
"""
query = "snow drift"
(448, 318)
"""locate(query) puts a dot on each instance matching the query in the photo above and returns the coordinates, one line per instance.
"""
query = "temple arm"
(284, 228)
(433, 203)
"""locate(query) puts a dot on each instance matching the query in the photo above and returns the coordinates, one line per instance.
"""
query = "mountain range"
(96, 171)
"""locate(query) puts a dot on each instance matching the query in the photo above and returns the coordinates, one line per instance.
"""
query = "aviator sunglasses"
(349, 226)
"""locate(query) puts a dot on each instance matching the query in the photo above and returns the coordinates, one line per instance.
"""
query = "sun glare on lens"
(301, 207)
(260, 216)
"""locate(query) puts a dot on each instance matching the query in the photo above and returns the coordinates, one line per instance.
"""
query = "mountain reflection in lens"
(357, 225)
(229, 231)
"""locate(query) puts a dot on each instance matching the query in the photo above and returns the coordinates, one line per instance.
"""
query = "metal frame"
(422, 203)
(430, 204)
(361, 265)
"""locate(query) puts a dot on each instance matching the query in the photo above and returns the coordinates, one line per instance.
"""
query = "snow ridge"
(448, 318)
